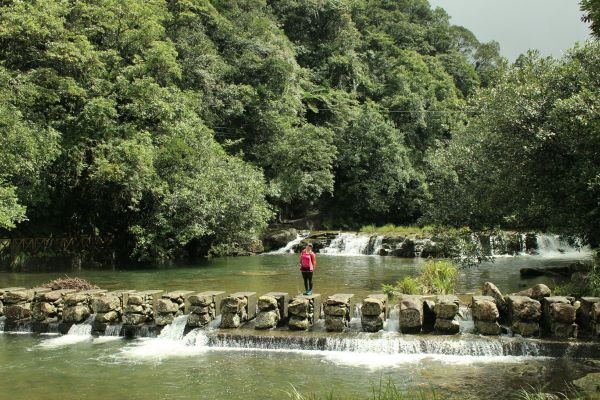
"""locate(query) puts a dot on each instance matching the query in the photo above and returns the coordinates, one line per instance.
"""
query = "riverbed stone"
(537, 292)
(73, 299)
(266, 303)
(526, 329)
(200, 300)
(584, 313)
(589, 384)
(372, 307)
(135, 299)
(299, 307)
(447, 326)
(282, 304)
(18, 312)
(230, 320)
(298, 323)
(488, 327)
(42, 311)
(104, 304)
(522, 308)
(134, 309)
(76, 314)
(335, 324)
(166, 306)
(162, 319)
(411, 314)
(267, 319)
(489, 289)
(446, 307)
(198, 320)
(561, 312)
(372, 323)
(484, 308)
(108, 317)
(18, 296)
(134, 319)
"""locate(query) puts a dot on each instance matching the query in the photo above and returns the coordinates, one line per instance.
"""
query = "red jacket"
(305, 264)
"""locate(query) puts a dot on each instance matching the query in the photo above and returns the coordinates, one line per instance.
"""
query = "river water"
(78, 366)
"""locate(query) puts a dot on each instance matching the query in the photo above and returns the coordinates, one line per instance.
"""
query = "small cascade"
(84, 328)
(53, 328)
(2, 322)
(555, 246)
(355, 322)
(175, 330)
(113, 330)
(289, 248)
(349, 244)
(392, 323)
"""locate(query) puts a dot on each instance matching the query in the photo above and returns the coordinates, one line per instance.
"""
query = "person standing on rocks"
(308, 262)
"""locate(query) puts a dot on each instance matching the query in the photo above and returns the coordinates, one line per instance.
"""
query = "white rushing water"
(349, 244)
(77, 333)
(2, 321)
(113, 330)
(289, 248)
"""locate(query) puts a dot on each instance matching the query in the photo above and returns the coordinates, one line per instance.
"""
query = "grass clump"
(388, 391)
(436, 277)
(69, 283)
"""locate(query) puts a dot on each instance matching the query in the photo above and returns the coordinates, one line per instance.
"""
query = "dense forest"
(179, 127)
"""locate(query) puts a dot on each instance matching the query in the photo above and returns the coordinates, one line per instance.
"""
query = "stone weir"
(532, 313)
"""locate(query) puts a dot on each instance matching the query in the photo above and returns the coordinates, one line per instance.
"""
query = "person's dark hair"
(309, 245)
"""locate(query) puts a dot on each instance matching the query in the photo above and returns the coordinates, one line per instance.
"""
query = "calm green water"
(334, 274)
(43, 367)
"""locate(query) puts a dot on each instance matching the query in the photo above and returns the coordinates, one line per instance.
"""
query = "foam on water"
(78, 333)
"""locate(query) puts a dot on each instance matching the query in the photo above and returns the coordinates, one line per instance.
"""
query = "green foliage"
(400, 230)
(435, 277)
(528, 157)
(591, 8)
(383, 391)
(439, 277)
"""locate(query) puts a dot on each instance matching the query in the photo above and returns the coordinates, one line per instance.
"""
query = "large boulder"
(488, 327)
(299, 307)
(109, 317)
(372, 323)
(135, 299)
(372, 307)
(446, 307)
(200, 300)
(298, 323)
(524, 309)
(561, 312)
(43, 311)
(233, 304)
(231, 320)
(17, 312)
(537, 292)
(76, 314)
(589, 384)
(446, 326)
(198, 320)
(267, 319)
(134, 319)
(489, 289)
(276, 239)
(411, 314)
(166, 306)
(266, 303)
(18, 296)
(484, 308)
(74, 299)
(104, 304)
(526, 328)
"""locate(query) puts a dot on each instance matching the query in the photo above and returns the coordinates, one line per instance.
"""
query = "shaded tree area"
(185, 126)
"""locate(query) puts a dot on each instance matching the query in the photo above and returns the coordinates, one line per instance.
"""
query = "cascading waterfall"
(392, 323)
(2, 321)
(113, 330)
(289, 248)
(83, 329)
(350, 244)
(175, 330)
(77, 333)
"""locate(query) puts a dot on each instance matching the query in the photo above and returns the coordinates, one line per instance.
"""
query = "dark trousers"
(307, 276)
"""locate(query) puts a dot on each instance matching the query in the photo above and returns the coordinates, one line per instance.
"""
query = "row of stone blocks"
(555, 316)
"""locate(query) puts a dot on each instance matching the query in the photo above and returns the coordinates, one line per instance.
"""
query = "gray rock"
(523, 308)
(200, 309)
(104, 304)
(372, 323)
(537, 292)
(230, 321)
(298, 323)
(484, 308)
(163, 319)
(134, 309)
(42, 311)
(18, 296)
(134, 319)
(198, 320)
(267, 319)
(372, 307)
(489, 289)
(266, 303)
(335, 324)
(446, 307)
(200, 300)
(488, 327)
(51, 297)
(563, 313)
(76, 314)
(165, 306)
(73, 299)
(17, 312)
(232, 304)
(135, 299)
(563, 331)
(299, 307)
(590, 384)
(526, 328)
(336, 310)
(411, 314)
(446, 326)
(109, 317)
